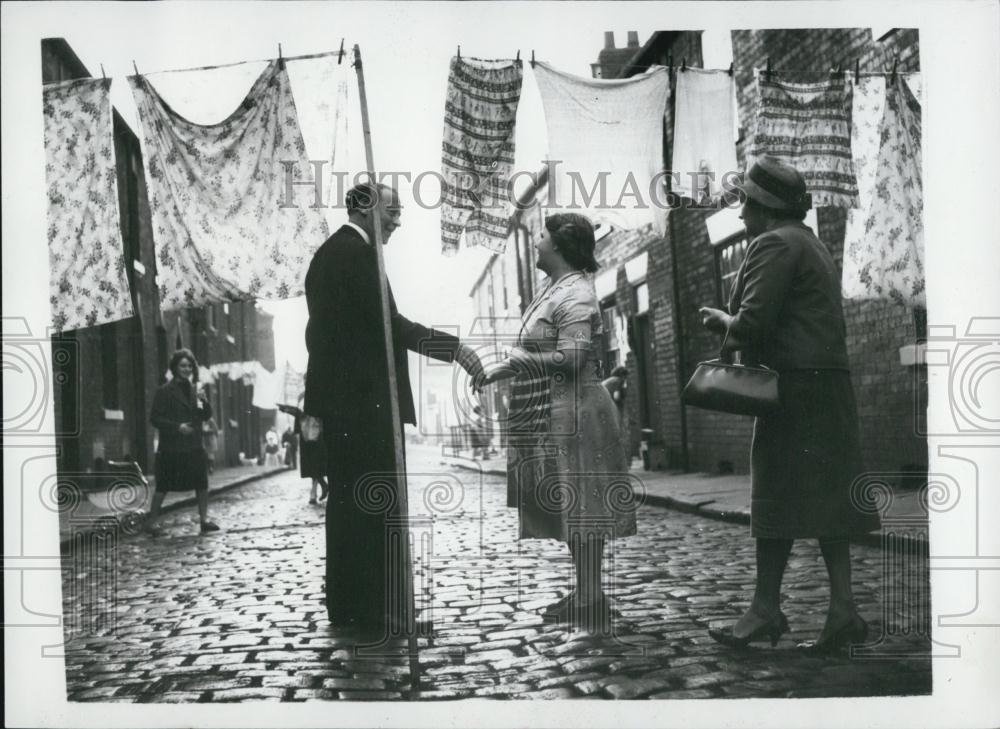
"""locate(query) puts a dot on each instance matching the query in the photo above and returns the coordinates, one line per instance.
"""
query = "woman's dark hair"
(620, 371)
(776, 213)
(175, 360)
(573, 236)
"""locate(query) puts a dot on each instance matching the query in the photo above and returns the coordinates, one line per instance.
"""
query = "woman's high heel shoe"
(771, 630)
(854, 630)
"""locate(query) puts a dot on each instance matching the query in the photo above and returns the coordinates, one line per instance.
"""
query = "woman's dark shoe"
(771, 630)
(209, 526)
(312, 502)
(854, 630)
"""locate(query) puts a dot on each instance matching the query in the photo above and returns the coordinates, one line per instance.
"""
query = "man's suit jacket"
(347, 379)
(786, 302)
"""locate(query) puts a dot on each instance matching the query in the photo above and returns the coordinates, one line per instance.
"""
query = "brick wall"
(888, 394)
(886, 391)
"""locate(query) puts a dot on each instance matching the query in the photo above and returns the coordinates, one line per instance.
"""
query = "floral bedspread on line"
(221, 223)
(884, 245)
(87, 280)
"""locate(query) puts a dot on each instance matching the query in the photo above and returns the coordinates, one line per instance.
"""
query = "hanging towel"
(608, 131)
(477, 154)
(87, 280)
(809, 127)
(884, 258)
(216, 193)
(704, 142)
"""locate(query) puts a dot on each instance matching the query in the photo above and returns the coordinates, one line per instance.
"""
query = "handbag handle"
(724, 356)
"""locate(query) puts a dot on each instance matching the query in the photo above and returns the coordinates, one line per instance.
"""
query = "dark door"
(646, 372)
(67, 393)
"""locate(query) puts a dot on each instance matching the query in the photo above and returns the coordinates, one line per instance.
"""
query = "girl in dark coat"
(178, 412)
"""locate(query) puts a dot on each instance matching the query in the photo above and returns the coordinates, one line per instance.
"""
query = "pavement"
(725, 497)
(96, 511)
(238, 615)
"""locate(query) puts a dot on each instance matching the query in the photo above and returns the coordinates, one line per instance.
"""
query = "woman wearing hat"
(785, 312)
(566, 470)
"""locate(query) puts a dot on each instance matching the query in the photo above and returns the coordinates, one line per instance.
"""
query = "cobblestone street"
(238, 615)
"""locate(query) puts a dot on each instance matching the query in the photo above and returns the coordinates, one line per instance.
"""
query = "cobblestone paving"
(238, 615)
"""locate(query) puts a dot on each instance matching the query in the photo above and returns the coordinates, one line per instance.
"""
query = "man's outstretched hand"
(470, 362)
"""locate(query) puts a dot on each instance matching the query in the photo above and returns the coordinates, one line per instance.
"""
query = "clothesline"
(824, 74)
(304, 57)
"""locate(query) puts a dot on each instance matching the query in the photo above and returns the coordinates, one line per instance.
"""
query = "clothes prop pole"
(397, 428)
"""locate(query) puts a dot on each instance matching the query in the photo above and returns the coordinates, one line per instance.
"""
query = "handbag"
(721, 385)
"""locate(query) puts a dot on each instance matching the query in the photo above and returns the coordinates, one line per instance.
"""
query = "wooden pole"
(397, 427)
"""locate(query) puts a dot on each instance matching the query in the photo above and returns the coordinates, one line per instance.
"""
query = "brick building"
(651, 286)
(113, 370)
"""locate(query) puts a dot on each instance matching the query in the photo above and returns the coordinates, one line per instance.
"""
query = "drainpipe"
(678, 325)
(679, 343)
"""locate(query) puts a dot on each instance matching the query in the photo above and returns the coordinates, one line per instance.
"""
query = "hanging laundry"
(606, 145)
(268, 387)
(327, 120)
(87, 280)
(867, 109)
(477, 154)
(914, 81)
(704, 140)
(808, 126)
(886, 259)
(222, 225)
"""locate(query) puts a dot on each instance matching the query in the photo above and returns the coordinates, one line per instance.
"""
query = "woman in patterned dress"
(566, 471)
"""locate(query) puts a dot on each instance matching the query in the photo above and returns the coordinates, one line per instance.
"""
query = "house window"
(612, 335)
(641, 298)
(210, 317)
(729, 257)
(109, 367)
(132, 203)
(525, 266)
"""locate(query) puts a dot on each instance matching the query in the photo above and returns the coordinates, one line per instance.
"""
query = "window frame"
(722, 279)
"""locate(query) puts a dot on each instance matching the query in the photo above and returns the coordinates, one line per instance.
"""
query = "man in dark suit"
(347, 389)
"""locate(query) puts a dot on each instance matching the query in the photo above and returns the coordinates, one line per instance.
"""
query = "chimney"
(609, 40)
(633, 39)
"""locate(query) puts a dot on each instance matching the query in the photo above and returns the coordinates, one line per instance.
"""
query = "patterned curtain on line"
(884, 244)
(87, 280)
(477, 154)
(808, 125)
(217, 193)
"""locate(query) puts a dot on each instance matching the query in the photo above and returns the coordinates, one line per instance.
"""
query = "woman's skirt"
(181, 471)
(572, 479)
(804, 460)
